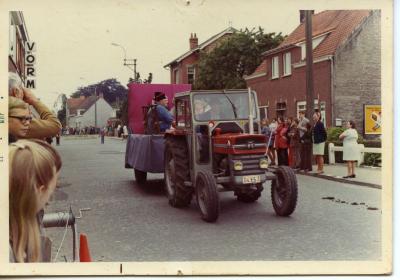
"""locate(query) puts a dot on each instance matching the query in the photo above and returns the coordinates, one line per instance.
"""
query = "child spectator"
(34, 167)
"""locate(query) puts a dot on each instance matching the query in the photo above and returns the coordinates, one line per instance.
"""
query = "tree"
(62, 113)
(111, 89)
(238, 55)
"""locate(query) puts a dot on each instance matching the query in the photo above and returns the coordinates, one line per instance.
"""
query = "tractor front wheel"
(284, 191)
(207, 196)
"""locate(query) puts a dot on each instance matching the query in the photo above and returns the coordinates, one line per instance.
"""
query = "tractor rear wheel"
(207, 196)
(176, 166)
(284, 191)
(251, 196)
(140, 176)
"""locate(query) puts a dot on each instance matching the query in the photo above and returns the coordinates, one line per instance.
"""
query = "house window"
(176, 76)
(315, 42)
(280, 109)
(287, 64)
(275, 67)
(13, 43)
(263, 112)
(301, 106)
(190, 74)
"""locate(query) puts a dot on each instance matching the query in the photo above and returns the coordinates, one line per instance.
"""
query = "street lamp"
(127, 60)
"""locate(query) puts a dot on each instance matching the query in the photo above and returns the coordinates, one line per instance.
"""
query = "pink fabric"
(140, 95)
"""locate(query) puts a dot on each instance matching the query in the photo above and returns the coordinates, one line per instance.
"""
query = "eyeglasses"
(23, 119)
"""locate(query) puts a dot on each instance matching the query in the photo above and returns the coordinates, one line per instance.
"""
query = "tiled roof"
(261, 69)
(74, 104)
(201, 46)
(336, 24)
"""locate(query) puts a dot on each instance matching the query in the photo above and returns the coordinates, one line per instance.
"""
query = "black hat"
(158, 96)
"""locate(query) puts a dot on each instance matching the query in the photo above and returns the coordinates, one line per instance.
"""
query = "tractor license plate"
(252, 179)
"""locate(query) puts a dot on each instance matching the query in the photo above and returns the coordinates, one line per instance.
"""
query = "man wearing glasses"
(47, 125)
(19, 119)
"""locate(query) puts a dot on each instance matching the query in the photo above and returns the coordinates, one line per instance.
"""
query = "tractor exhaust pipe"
(251, 124)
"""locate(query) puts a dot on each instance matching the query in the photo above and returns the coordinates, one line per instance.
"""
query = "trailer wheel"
(207, 196)
(140, 176)
(250, 196)
(176, 166)
(284, 191)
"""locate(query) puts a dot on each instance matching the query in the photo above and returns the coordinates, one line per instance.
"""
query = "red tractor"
(213, 147)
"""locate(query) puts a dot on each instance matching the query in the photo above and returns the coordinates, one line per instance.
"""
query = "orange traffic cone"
(84, 254)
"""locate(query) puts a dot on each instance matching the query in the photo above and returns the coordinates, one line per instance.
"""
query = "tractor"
(214, 146)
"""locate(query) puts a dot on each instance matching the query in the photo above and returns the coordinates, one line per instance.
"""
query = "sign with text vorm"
(30, 61)
(372, 119)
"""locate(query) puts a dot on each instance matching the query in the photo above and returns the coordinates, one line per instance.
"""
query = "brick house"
(183, 69)
(18, 36)
(82, 111)
(346, 68)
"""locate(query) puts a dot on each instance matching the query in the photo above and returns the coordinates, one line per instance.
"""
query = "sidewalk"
(366, 176)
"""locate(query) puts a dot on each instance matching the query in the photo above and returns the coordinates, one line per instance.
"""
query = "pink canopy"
(142, 94)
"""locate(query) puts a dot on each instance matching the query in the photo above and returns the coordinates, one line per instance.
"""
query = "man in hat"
(165, 118)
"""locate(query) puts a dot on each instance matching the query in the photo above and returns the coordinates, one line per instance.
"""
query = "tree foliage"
(113, 92)
(238, 55)
(62, 113)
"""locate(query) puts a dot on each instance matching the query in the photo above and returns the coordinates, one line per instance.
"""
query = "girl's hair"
(352, 124)
(32, 164)
(16, 103)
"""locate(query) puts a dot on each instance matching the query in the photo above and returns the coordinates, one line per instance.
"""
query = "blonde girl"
(34, 167)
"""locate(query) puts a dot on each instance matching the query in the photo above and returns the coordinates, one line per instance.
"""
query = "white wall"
(104, 112)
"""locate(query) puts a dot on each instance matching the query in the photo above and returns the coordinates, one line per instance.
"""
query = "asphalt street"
(128, 222)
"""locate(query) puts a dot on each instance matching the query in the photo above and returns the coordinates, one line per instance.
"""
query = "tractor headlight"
(237, 165)
(263, 163)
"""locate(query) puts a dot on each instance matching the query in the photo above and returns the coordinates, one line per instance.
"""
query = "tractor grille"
(251, 164)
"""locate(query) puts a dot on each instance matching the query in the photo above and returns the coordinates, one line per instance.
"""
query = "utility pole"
(134, 69)
(309, 66)
(95, 110)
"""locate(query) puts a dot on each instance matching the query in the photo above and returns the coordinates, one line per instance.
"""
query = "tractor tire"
(207, 196)
(250, 196)
(176, 166)
(140, 176)
(284, 191)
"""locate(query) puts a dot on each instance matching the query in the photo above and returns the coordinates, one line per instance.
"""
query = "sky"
(74, 38)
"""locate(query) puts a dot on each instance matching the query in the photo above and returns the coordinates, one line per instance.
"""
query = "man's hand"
(17, 92)
(29, 97)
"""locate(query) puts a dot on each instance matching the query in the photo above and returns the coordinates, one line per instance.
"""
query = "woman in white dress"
(350, 148)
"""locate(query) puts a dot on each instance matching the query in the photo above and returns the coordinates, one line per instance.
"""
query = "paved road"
(128, 222)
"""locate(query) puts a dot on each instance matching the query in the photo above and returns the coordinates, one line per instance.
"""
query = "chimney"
(303, 15)
(193, 41)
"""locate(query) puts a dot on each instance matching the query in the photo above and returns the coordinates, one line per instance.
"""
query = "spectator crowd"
(294, 141)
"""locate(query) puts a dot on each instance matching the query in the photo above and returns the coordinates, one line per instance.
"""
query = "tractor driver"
(164, 116)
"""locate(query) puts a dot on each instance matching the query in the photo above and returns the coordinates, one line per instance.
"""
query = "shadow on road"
(151, 187)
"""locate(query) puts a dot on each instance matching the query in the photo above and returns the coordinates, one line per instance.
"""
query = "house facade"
(346, 68)
(90, 111)
(184, 68)
(18, 37)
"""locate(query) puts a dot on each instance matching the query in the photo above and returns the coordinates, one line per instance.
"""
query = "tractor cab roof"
(188, 93)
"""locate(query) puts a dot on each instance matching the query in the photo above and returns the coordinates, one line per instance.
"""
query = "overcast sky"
(74, 38)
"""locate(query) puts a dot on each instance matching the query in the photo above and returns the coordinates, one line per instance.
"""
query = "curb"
(341, 180)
